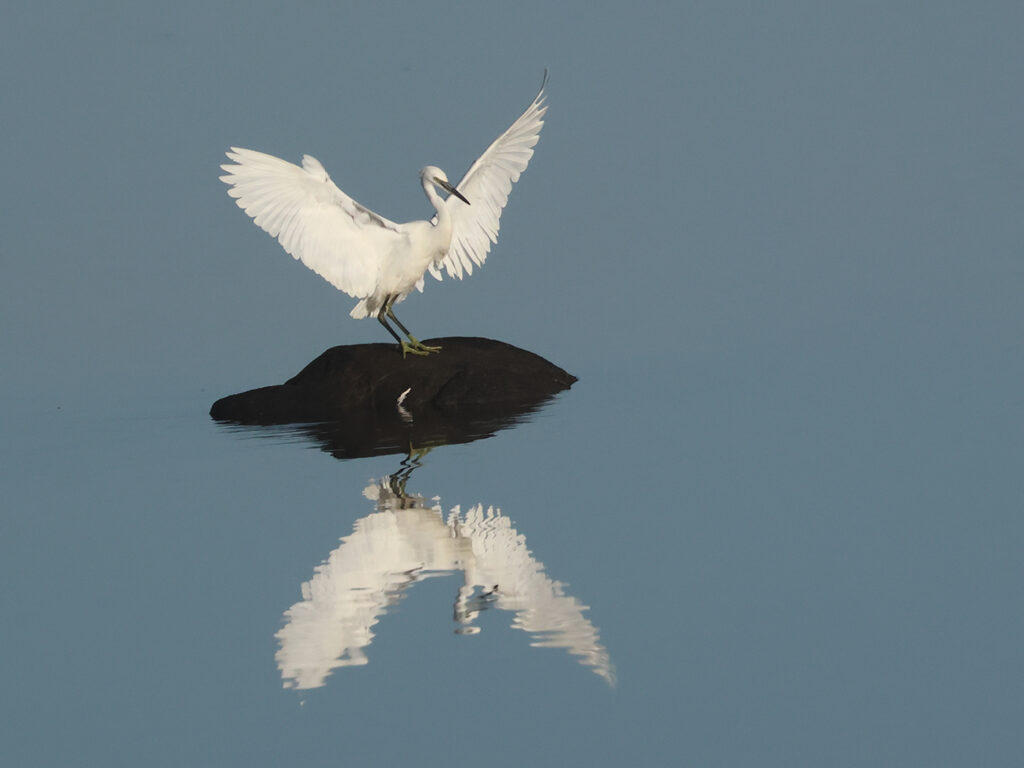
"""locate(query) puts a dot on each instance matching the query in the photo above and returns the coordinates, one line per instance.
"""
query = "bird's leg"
(404, 345)
(417, 345)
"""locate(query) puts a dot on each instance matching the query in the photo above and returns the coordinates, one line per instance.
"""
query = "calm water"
(776, 522)
(622, 577)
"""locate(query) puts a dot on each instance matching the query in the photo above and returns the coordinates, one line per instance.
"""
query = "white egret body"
(364, 254)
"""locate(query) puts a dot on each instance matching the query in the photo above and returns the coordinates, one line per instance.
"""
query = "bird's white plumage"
(486, 185)
(312, 219)
(364, 254)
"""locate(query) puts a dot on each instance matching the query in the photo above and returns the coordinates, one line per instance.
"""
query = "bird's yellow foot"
(416, 350)
(424, 349)
(415, 454)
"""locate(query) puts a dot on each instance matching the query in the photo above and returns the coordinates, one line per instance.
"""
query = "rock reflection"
(366, 400)
(408, 539)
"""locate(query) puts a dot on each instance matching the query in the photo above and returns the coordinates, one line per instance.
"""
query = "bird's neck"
(438, 202)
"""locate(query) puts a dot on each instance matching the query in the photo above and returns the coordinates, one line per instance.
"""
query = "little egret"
(367, 256)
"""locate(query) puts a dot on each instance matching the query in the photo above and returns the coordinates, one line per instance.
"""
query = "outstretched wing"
(317, 223)
(486, 185)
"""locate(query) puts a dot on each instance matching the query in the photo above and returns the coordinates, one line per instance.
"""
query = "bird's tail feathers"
(360, 310)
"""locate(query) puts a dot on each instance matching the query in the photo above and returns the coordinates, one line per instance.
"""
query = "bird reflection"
(407, 539)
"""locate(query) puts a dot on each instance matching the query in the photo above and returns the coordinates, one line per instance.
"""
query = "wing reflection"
(408, 539)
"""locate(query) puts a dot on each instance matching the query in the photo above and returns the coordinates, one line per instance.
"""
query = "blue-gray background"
(781, 246)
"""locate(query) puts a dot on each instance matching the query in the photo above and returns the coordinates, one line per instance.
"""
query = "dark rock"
(347, 398)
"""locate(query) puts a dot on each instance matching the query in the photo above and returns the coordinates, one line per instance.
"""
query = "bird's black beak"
(449, 188)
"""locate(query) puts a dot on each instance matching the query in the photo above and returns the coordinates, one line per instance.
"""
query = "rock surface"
(366, 399)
